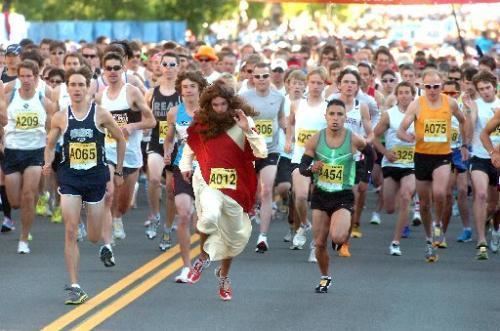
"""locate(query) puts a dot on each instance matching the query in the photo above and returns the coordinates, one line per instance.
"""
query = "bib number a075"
(435, 131)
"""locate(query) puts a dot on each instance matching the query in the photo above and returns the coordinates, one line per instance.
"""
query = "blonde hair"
(431, 72)
(320, 71)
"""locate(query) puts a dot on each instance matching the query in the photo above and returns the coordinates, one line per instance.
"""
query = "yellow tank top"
(433, 128)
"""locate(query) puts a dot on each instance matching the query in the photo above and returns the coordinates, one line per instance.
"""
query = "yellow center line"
(132, 295)
(109, 292)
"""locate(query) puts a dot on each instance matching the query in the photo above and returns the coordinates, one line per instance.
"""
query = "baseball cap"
(13, 49)
(279, 63)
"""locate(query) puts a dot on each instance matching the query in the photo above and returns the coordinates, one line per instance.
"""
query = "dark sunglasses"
(451, 94)
(169, 64)
(204, 60)
(55, 81)
(57, 53)
(89, 56)
(249, 71)
(112, 68)
(390, 80)
(433, 86)
(280, 70)
(263, 76)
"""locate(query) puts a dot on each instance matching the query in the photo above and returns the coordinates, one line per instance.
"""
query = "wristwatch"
(118, 173)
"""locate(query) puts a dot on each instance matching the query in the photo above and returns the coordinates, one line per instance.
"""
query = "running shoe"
(75, 295)
(106, 255)
(82, 232)
(299, 239)
(356, 231)
(482, 251)
(289, 236)
(225, 289)
(194, 273)
(395, 249)
(165, 241)
(430, 253)
(152, 230)
(324, 284)
(465, 236)
(312, 254)
(23, 247)
(406, 232)
(344, 250)
(118, 230)
(417, 219)
(42, 205)
(437, 236)
(183, 276)
(262, 244)
(56, 216)
(442, 243)
(495, 241)
(7, 225)
(375, 218)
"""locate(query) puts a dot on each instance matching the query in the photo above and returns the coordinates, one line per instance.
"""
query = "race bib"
(454, 135)
(221, 178)
(163, 127)
(435, 131)
(304, 136)
(121, 120)
(404, 154)
(82, 156)
(27, 120)
(332, 175)
(265, 129)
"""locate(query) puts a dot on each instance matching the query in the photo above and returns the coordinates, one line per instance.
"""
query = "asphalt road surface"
(272, 291)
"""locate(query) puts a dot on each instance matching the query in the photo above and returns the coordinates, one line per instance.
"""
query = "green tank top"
(339, 169)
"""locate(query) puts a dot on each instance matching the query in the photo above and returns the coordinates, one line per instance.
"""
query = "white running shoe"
(299, 240)
(118, 230)
(289, 236)
(183, 276)
(375, 218)
(262, 244)
(416, 219)
(495, 241)
(395, 249)
(23, 248)
(312, 254)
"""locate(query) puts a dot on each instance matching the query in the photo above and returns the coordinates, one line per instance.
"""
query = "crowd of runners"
(236, 136)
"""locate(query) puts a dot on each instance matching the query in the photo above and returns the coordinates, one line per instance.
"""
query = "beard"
(216, 123)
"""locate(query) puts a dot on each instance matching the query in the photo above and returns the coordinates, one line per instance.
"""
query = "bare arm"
(168, 143)
(367, 124)
(3, 107)
(409, 118)
(56, 127)
(256, 141)
(139, 103)
(290, 128)
(492, 125)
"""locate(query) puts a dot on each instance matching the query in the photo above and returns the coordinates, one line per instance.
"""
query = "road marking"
(132, 295)
(111, 291)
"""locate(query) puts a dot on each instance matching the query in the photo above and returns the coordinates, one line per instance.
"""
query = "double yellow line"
(122, 301)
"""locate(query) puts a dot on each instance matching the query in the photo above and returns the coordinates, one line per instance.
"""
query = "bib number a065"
(82, 155)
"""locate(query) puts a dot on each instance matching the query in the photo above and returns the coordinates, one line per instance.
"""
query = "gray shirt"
(270, 109)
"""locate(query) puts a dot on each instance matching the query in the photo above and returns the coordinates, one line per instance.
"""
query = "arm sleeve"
(256, 141)
(186, 162)
(369, 161)
(305, 166)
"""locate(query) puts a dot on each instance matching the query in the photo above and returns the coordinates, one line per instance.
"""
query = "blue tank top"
(83, 145)
(181, 125)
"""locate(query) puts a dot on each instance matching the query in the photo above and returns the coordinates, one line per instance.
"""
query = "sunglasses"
(204, 60)
(249, 71)
(113, 68)
(433, 86)
(390, 80)
(89, 56)
(169, 64)
(280, 70)
(451, 94)
(56, 81)
(263, 76)
(57, 53)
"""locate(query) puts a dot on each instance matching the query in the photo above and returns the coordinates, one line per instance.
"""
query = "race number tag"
(435, 131)
(26, 120)
(304, 136)
(82, 156)
(163, 128)
(265, 129)
(404, 154)
(454, 135)
(121, 120)
(221, 178)
(332, 175)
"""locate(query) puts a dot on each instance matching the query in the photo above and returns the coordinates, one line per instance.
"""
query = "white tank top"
(120, 109)
(40, 87)
(308, 121)
(64, 100)
(25, 129)
(485, 112)
(403, 149)
(456, 138)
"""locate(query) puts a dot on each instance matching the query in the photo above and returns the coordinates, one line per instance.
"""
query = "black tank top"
(83, 145)
(161, 104)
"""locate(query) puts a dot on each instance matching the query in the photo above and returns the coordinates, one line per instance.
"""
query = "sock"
(468, 228)
(5, 202)
(75, 285)
(395, 242)
(157, 216)
(429, 239)
(264, 234)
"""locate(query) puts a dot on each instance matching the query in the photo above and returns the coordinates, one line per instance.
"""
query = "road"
(272, 291)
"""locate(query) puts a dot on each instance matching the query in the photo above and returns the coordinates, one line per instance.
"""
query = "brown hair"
(82, 70)
(30, 65)
(405, 84)
(194, 76)
(484, 77)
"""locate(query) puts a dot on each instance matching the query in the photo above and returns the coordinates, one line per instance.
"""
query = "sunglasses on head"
(432, 86)
(263, 76)
(89, 56)
(390, 80)
(113, 68)
(169, 64)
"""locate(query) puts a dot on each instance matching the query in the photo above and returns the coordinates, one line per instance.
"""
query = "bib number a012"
(27, 120)
(82, 156)
(304, 135)
(404, 154)
(221, 178)
(332, 175)
(163, 129)
(265, 129)
(435, 131)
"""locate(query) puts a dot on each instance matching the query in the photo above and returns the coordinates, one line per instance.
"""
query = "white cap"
(279, 63)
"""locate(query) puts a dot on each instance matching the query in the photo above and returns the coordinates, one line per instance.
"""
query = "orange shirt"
(433, 128)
